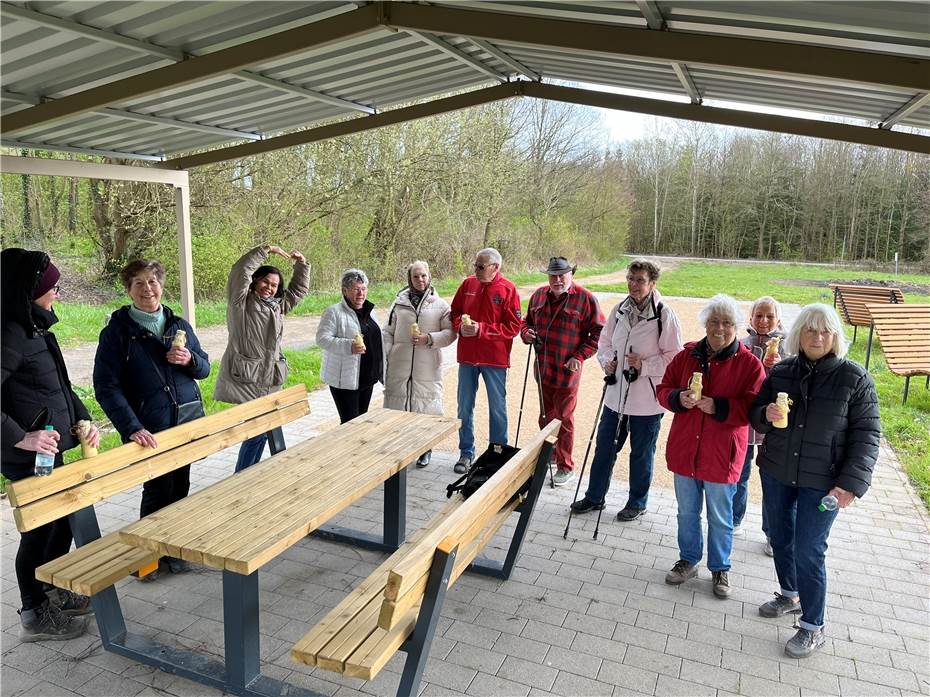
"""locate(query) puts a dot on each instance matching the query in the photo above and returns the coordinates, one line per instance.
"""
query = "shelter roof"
(158, 80)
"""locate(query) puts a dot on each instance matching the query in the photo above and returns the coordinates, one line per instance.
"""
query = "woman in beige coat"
(253, 364)
(419, 326)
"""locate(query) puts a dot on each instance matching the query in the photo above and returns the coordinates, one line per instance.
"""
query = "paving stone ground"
(579, 616)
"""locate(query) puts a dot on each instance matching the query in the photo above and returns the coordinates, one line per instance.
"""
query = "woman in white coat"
(350, 338)
(419, 326)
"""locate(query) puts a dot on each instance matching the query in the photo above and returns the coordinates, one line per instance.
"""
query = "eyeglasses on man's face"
(482, 267)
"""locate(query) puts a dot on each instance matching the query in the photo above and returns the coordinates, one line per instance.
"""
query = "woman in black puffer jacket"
(36, 393)
(828, 448)
(141, 378)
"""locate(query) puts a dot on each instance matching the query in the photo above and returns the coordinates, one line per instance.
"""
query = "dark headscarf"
(21, 272)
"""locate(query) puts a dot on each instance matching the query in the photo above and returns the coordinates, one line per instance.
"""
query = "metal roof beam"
(282, 86)
(654, 19)
(356, 125)
(650, 10)
(904, 72)
(900, 113)
(506, 59)
(108, 37)
(198, 68)
(111, 154)
(687, 82)
(459, 55)
(895, 140)
(147, 118)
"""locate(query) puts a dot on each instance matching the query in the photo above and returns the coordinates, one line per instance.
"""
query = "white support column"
(182, 209)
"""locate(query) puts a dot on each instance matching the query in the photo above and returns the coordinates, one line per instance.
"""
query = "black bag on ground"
(482, 469)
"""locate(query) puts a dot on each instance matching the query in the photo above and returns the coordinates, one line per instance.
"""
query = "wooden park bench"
(850, 300)
(904, 333)
(397, 607)
(72, 490)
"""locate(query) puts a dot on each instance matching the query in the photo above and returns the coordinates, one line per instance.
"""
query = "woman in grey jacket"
(253, 365)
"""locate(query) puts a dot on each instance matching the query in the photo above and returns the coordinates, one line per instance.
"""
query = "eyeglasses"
(56, 288)
(482, 267)
(638, 280)
(725, 323)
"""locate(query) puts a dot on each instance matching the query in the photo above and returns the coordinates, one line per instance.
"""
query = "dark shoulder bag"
(183, 413)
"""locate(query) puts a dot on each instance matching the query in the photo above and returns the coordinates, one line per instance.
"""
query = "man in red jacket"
(564, 321)
(486, 316)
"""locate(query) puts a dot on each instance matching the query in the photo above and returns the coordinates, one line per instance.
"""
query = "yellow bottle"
(414, 330)
(359, 340)
(782, 402)
(696, 385)
(180, 339)
(467, 321)
(82, 429)
(771, 347)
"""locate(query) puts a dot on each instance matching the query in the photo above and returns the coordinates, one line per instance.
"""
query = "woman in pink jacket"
(707, 442)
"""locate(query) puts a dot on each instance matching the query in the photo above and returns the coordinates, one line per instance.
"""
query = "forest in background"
(532, 178)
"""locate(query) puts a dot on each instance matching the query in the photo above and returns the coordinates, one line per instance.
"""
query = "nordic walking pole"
(620, 426)
(584, 463)
(542, 403)
(526, 377)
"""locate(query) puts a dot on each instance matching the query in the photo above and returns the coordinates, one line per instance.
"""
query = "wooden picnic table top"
(248, 519)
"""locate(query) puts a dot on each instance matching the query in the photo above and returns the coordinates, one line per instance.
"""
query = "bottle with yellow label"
(414, 330)
(771, 347)
(783, 402)
(359, 340)
(467, 320)
(82, 431)
(696, 385)
(180, 339)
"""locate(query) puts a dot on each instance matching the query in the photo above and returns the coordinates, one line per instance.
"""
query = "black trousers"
(351, 403)
(165, 490)
(36, 548)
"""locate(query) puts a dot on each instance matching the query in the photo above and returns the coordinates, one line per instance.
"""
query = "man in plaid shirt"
(564, 321)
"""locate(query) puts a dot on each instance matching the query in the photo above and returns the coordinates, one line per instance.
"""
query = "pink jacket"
(620, 337)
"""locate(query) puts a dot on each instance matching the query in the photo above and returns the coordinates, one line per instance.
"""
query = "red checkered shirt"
(568, 327)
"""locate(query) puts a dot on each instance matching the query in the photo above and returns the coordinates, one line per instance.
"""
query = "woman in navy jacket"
(829, 447)
(140, 378)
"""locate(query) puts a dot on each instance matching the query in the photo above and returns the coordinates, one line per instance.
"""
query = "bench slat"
(32, 489)
(481, 505)
(95, 566)
(53, 507)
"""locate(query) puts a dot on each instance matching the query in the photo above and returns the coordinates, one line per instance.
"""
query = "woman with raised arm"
(256, 301)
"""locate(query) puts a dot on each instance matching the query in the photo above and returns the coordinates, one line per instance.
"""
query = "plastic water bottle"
(827, 503)
(45, 463)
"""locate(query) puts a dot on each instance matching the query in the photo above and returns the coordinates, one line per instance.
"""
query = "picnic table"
(245, 521)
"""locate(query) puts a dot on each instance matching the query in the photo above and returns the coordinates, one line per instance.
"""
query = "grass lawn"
(81, 323)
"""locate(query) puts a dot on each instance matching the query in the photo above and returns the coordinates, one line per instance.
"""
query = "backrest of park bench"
(850, 301)
(904, 332)
(40, 500)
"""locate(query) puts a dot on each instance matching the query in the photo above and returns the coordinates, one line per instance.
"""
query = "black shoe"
(804, 643)
(461, 467)
(584, 505)
(48, 623)
(70, 604)
(424, 459)
(628, 514)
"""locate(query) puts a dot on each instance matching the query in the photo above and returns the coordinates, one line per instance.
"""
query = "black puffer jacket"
(35, 380)
(833, 426)
(130, 373)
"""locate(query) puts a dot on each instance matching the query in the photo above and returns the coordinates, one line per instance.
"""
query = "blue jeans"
(643, 432)
(691, 495)
(251, 451)
(495, 382)
(799, 531)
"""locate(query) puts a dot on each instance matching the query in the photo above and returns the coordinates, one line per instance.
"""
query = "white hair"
(723, 306)
(766, 300)
(492, 254)
(352, 276)
(822, 318)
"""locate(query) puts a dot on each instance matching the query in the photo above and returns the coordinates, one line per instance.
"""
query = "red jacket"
(567, 327)
(701, 446)
(495, 306)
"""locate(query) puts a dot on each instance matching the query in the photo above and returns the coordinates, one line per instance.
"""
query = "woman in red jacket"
(707, 442)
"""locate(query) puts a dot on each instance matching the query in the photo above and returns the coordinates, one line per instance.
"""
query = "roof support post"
(182, 211)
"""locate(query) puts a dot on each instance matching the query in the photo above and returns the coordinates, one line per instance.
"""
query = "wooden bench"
(850, 300)
(904, 333)
(398, 605)
(72, 490)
